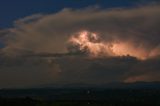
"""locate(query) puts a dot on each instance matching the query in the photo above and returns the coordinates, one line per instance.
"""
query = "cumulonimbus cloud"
(50, 33)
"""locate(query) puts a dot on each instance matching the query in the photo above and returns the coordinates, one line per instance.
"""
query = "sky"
(12, 10)
(59, 42)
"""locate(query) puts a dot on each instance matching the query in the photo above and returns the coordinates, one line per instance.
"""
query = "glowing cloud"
(91, 43)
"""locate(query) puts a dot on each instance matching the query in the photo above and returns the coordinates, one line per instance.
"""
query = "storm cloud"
(40, 71)
(21, 62)
(50, 33)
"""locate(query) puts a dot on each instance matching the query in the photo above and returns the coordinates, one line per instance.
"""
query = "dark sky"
(12, 10)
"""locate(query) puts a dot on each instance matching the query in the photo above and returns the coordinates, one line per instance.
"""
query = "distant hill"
(113, 85)
(135, 85)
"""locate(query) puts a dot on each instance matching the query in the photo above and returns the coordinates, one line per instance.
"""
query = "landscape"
(80, 53)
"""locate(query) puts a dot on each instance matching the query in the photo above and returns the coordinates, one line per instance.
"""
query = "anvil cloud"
(49, 33)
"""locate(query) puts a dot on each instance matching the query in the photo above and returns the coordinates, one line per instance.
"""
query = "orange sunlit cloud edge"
(95, 46)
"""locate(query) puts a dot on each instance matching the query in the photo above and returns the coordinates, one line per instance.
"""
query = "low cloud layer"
(36, 71)
(49, 34)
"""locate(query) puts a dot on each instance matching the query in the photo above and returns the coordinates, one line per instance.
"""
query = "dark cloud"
(99, 70)
(41, 36)
(147, 70)
(26, 71)
(34, 71)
